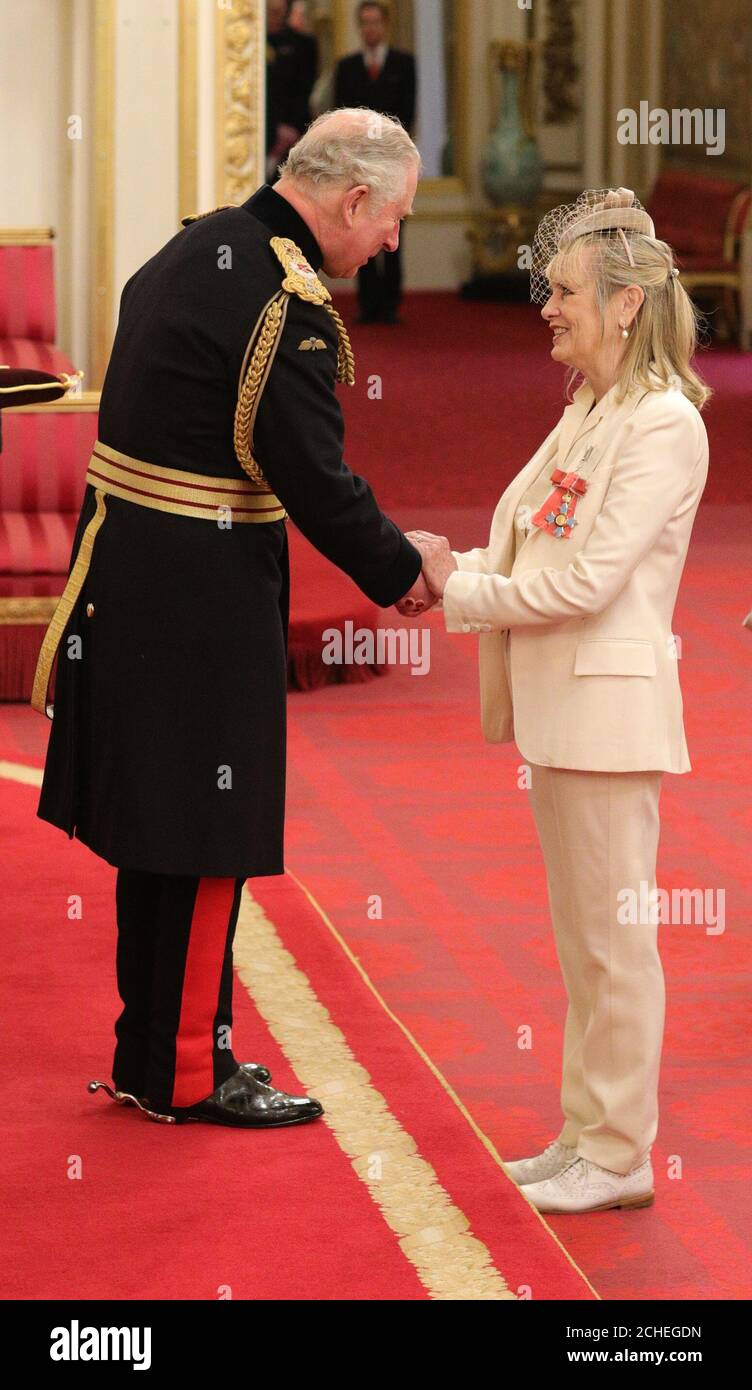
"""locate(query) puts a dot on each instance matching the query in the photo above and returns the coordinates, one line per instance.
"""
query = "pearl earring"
(624, 331)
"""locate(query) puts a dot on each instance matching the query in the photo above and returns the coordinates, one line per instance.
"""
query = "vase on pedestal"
(511, 166)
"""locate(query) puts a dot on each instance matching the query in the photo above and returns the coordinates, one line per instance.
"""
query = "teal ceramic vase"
(511, 166)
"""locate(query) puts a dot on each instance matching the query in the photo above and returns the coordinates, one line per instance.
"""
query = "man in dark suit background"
(382, 78)
(291, 69)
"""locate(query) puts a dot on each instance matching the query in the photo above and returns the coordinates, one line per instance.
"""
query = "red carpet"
(323, 597)
(392, 792)
(468, 392)
(105, 1204)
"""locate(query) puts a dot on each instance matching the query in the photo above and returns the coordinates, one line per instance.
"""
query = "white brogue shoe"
(583, 1186)
(546, 1165)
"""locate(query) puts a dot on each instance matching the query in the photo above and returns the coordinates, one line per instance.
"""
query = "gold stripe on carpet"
(19, 772)
(484, 1139)
(433, 1234)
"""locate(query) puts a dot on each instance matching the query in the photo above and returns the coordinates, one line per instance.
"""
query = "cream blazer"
(594, 663)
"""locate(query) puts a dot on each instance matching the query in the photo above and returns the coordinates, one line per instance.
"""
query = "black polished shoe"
(244, 1102)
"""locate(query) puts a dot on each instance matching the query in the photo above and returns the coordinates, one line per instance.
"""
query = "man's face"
(370, 232)
(373, 27)
(276, 15)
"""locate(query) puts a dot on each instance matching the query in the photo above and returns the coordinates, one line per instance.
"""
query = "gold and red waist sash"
(221, 500)
(184, 494)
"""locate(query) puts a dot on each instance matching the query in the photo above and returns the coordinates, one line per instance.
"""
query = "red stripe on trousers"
(194, 1044)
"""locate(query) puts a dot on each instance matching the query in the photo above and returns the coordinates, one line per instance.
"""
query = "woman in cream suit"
(574, 597)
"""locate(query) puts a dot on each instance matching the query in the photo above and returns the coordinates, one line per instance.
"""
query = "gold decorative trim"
(240, 41)
(83, 400)
(171, 490)
(103, 182)
(27, 611)
(300, 278)
(26, 236)
(238, 487)
(432, 1232)
(187, 106)
(269, 330)
(63, 610)
(484, 1139)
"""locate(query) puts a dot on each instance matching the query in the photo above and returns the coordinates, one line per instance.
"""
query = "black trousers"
(380, 283)
(174, 975)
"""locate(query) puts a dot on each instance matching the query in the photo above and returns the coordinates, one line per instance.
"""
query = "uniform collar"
(282, 219)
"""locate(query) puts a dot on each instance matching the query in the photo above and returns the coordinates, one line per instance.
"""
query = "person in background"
(291, 67)
(384, 79)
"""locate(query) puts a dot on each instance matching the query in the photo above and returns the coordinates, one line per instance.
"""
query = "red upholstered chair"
(46, 450)
(708, 221)
(27, 302)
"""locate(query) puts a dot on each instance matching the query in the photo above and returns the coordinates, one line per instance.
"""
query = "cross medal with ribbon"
(557, 515)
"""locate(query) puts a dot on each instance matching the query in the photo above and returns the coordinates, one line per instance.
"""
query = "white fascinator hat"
(596, 210)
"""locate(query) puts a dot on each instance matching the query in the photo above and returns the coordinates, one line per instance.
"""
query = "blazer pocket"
(614, 656)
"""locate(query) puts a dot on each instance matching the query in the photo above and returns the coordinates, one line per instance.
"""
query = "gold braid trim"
(197, 216)
(250, 390)
(345, 354)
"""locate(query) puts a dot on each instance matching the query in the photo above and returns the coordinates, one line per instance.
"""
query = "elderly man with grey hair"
(166, 756)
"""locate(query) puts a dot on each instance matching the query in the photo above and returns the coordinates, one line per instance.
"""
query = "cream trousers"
(599, 834)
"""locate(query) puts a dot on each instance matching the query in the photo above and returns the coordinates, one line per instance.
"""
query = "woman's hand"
(417, 600)
(438, 560)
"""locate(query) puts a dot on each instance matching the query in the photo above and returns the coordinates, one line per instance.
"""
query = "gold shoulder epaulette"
(302, 280)
(196, 216)
(300, 277)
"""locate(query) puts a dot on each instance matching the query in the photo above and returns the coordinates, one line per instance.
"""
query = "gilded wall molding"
(240, 99)
(187, 108)
(103, 183)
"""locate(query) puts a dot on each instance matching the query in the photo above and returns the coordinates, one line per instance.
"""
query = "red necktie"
(373, 71)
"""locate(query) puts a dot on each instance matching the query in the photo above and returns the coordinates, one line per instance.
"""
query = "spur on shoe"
(546, 1165)
(242, 1101)
(583, 1186)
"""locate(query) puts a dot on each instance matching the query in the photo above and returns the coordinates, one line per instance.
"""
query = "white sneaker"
(546, 1165)
(583, 1186)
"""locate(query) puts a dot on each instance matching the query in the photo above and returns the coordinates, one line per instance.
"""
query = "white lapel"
(575, 421)
(573, 427)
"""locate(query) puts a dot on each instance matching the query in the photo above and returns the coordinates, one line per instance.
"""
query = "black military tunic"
(167, 746)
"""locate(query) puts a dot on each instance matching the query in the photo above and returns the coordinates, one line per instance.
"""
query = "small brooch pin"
(311, 345)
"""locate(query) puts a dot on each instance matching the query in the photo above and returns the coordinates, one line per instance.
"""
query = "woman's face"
(573, 316)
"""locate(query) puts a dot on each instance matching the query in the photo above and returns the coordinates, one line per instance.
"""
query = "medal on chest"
(557, 514)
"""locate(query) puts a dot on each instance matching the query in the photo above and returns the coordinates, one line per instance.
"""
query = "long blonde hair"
(664, 334)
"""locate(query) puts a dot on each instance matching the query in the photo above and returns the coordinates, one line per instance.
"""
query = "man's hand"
(417, 600)
(438, 560)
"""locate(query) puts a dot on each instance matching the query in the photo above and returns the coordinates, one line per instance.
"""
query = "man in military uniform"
(166, 757)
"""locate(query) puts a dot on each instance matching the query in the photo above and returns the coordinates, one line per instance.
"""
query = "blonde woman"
(574, 597)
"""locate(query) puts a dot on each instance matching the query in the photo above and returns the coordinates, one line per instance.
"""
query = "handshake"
(438, 564)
